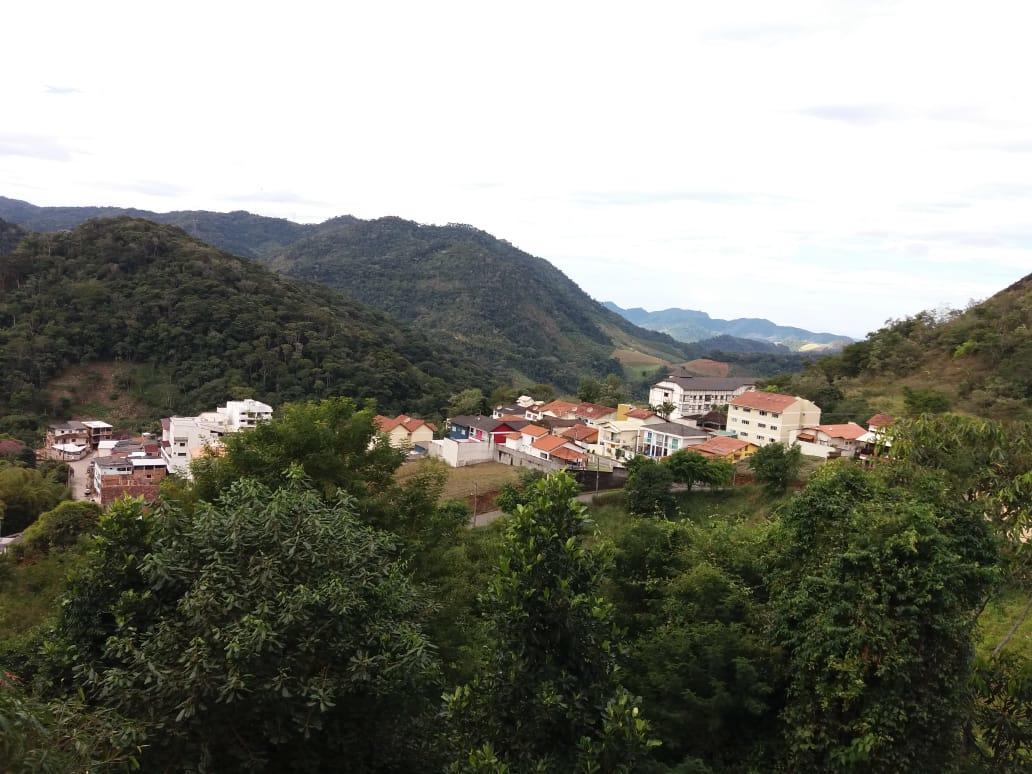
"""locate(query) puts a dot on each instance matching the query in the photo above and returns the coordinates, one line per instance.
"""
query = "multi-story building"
(661, 439)
(98, 431)
(134, 476)
(694, 395)
(184, 439)
(770, 417)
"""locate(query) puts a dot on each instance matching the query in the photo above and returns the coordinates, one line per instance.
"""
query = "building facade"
(769, 417)
(661, 439)
(134, 476)
(694, 395)
(184, 439)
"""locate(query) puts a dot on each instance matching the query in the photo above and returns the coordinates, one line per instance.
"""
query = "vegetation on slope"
(978, 360)
(217, 325)
(10, 236)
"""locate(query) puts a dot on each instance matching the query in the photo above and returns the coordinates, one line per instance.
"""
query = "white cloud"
(664, 155)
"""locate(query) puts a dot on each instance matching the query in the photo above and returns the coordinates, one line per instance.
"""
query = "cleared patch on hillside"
(119, 393)
(632, 357)
(481, 482)
(703, 366)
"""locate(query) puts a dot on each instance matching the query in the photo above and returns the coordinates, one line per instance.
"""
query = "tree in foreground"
(873, 591)
(690, 468)
(551, 698)
(648, 488)
(269, 630)
(776, 467)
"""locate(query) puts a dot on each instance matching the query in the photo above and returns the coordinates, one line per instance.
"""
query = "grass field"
(487, 478)
(997, 619)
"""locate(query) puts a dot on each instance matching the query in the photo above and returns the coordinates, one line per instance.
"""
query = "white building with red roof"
(763, 418)
(840, 440)
(405, 432)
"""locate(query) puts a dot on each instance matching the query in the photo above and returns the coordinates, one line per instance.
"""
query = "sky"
(829, 164)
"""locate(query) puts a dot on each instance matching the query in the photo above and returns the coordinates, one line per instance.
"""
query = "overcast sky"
(823, 164)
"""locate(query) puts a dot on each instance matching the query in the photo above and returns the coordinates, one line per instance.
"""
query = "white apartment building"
(184, 439)
(769, 417)
(698, 394)
(661, 439)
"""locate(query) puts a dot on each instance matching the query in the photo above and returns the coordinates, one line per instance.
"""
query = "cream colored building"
(770, 417)
(693, 395)
(405, 432)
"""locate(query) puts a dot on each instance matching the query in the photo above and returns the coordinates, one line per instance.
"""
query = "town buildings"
(136, 475)
(722, 447)
(770, 417)
(405, 432)
(694, 395)
(661, 439)
(831, 441)
(184, 439)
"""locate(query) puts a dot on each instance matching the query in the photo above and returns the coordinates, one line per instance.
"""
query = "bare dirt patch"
(705, 367)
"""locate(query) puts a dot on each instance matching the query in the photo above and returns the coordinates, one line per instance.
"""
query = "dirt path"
(79, 481)
(486, 518)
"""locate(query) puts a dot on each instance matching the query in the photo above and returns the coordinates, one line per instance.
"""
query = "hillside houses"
(769, 417)
(695, 395)
(405, 432)
(185, 439)
(830, 441)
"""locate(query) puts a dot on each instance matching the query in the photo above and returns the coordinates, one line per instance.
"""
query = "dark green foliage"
(873, 592)
(925, 401)
(648, 488)
(10, 237)
(214, 651)
(513, 495)
(57, 528)
(701, 661)
(219, 326)
(25, 493)
(607, 392)
(691, 468)
(60, 737)
(1002, 691)
(550, 700)
(776, 467)
(467, 402)
(510, 310)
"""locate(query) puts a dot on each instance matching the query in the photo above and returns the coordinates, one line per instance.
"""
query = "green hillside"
(509, 309)
(10, 236)
(214, 325)
(977, 361)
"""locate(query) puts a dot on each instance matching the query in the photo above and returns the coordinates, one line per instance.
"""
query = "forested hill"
(978, 360)
(508, 308)
(10, 236)
(691, 325)
(217, 325)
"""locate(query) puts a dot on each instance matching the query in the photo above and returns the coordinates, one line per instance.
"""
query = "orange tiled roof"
(640, 413)
(581, 433)
(721, 445)
(850, 431)
(549, 443)
(535, 430)
(764, 401)
(411, 424)
(513, 436)
(880, 420)
(592, 410)
(558, 407)
(569, 455)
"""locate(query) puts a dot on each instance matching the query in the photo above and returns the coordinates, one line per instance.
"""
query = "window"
(760, 424)
(745, 421)
(744, 435)
(747, 410)
(761, 438)
(673, 443)
(763, 413)
(773, 415)
(773, 427)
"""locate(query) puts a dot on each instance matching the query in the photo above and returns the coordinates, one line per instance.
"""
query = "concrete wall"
(461, 454)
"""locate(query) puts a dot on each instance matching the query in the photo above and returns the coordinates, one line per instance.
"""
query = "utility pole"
(596, 473)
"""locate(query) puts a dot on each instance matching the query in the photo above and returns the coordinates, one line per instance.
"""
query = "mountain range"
(691, 325)
(512, 313)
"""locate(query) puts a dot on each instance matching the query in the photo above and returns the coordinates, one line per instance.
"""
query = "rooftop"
(880, 420)
(549, 443)
(849, 431)
(717, 383)
(722, 444)
(592, 410)
(672, 428)
(764, 401)
(534, 430)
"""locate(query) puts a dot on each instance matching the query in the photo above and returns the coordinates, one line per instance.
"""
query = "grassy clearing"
(29, 590)
(487, 477)
(997, 619)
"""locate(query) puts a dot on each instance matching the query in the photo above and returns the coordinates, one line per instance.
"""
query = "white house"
(184, 439)
(842, 440)
(698, 394)
(661, 439)
(770, 417)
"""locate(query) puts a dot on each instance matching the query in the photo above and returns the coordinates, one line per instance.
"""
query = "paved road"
(483, 519)
(79, 480)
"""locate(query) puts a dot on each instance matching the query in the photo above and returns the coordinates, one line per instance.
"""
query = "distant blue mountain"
(690, 325)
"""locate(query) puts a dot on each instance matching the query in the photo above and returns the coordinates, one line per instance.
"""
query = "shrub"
(59, 527)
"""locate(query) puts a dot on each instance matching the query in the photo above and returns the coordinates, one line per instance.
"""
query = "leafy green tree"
(267, 631)
(551, 699)
(513, 495)
(1002, 734)
(924, 401)
(690, 468)
(873, 591)
(648, 488)
(665, 409)
(776, 467)
(25, 493)
(57, 528)
(590, 390)
(470, 401)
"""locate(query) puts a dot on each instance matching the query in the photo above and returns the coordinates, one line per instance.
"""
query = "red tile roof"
(550, 443)
(513, 436)
(558, 407)
(569, 455)
(535, 430)
(850, 431)
(592, 410)
(411, 424)
(580, 433)
(764, 401)
(880, 420)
